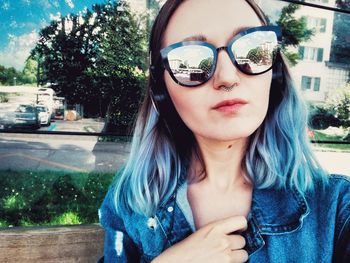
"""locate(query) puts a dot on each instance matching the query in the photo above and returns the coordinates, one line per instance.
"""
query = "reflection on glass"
(191, 64)
(255, 52)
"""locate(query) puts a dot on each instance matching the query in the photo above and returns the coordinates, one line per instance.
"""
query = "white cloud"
(5, 5)
(13, 24)
(45, 4)
(70, 3)
(26, 2)
(56, 17)
(55, 4)
(18, 50)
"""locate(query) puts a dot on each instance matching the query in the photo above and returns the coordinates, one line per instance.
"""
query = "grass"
(319, 135)
(47, 198)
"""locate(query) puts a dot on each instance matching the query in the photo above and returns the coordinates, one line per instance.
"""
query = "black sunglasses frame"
(165, 51)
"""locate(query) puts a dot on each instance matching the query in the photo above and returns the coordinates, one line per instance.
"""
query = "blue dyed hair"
(279, 152)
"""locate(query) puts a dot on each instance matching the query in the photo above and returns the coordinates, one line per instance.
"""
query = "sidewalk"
(84, 153)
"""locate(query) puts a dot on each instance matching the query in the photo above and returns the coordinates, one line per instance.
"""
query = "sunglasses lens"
(191, 65)
(255, 52)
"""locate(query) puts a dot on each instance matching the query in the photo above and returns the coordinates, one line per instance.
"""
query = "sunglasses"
(253, 52)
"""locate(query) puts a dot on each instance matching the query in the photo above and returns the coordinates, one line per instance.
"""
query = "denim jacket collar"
(273, 212)
(278, 211)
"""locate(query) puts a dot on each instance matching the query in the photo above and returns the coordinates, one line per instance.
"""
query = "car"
(44, 114)
(27, 116)
(7, 120)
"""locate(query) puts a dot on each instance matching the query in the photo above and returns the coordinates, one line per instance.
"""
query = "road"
(84, 153)
(60, 152)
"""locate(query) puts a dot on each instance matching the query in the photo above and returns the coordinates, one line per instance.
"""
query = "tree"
(120, 67)
(96, 59)
(10, 76)
(294, 31)
(258, 55)
(29, 73)
(206, 64)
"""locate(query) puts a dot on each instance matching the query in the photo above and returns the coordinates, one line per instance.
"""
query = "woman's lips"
(230, 106)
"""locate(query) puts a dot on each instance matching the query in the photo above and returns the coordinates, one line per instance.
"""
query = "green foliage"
(206, 64)
(3, 97)
(51, 198)
(338, 102)
(3, 223)
(320, 118)
(29, 73)
(10, 76)
(294, 30)
(258, 55)
(320, 136)
(67, 218)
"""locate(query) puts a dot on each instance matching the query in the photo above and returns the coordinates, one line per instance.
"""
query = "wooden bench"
(83, 243)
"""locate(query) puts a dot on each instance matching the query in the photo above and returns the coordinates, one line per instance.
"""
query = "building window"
(310, 82)
(311, 53)
(317, 23)
(305, 82)
(317, 82)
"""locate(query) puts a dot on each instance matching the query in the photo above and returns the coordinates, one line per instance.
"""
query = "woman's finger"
(229, 225)
(239, 255)
(236, 242)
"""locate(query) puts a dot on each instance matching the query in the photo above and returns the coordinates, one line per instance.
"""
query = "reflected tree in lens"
(206, 65)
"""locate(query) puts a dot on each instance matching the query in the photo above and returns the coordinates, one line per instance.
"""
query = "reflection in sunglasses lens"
(191, 65)
(255, 52)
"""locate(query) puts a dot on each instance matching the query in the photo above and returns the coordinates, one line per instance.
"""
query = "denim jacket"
(283, 226)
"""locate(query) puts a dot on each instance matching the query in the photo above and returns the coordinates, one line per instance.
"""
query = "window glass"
(317, 24)
(306, 82)
(317, 84)
(81, 67)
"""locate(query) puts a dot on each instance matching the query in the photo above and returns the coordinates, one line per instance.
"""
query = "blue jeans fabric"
(283, 226)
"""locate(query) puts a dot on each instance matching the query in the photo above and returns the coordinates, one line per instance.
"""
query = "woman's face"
(218, 21)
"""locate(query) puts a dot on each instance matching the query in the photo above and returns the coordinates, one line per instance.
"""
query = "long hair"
(278, 155)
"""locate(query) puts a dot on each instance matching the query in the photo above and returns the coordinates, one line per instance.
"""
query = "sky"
(21, 21)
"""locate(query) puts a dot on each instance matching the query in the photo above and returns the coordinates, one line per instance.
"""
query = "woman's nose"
(226, 74)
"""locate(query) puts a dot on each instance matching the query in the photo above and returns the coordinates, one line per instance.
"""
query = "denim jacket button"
(170, 209)
(152, 223)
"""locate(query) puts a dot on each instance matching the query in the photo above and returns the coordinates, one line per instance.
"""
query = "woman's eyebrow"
(195, 37)
(201, 37)
(240, 29)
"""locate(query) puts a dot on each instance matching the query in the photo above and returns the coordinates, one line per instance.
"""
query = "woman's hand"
(216, 242)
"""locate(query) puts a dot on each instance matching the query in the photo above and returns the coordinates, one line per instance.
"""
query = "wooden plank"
(82, 243)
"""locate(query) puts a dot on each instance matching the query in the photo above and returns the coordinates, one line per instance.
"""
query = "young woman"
(220, 168)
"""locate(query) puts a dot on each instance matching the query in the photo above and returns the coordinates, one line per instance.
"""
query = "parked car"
(27, 116)
(7, 120)
(44, 115)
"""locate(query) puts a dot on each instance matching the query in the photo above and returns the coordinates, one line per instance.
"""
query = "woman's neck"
(223, 163)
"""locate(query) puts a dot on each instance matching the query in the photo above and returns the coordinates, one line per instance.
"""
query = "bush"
(320, 118)
(3, 97)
